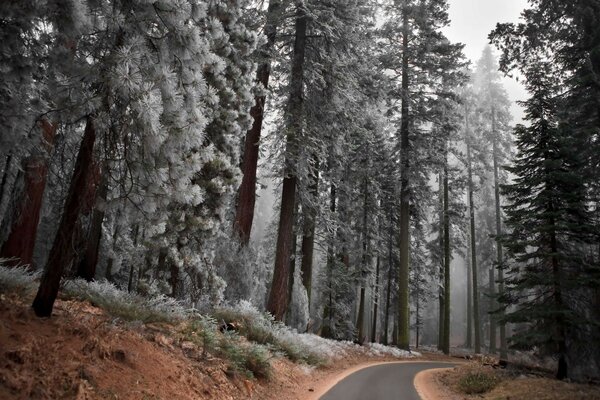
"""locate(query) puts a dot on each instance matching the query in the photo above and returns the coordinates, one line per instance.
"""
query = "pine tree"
(550, 222)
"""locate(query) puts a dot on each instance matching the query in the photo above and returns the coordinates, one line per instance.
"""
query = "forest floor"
(82, 353)
(479, 380)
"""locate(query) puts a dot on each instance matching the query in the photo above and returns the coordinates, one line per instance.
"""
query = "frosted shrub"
(127, 306)
(18, 279)
(378, 349)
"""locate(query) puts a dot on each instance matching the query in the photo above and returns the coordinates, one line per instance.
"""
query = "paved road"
(392, 381)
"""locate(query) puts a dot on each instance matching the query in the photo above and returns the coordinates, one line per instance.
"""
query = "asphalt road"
(392, 381)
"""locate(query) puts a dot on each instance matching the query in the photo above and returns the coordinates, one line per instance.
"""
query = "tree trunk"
(559, 334)
(473, 246)
(277, 302)
(376, 300)
(87, 266)
(446, 261)
(19, 245)
(417, 320)
(403, 269)
(469, 341)
(388, 295)
(440, 343)
(61, 254)
(308, 236)
(499, 257)
(492, 295)
(364, 263)
(360, 323)
(4, 185)
(292, 266)
(247, 190)
(328, 309)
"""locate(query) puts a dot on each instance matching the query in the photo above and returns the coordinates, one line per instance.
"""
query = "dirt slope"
(82, 353)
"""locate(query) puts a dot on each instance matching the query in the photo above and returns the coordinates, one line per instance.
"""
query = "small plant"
(477, 382)
(262, 328)
(202, 332)
(251, 359)
(124, 305)
(18, 279)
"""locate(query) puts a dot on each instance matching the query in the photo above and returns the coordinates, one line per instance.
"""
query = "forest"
(340, 165)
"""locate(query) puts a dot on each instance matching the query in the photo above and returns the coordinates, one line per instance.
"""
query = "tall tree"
(277, 303)
(18, 247)
(550, 221)
(247, 191)
(62, 252)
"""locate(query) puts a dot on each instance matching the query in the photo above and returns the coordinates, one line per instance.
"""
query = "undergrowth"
(477, 382)
(124, 305)
(262, 328)
(250, 359)
(17, 279)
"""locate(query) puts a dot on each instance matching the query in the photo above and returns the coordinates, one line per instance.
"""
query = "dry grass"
(477, 381)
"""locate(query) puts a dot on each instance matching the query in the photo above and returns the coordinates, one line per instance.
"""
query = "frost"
(17, 278)
(378, 349)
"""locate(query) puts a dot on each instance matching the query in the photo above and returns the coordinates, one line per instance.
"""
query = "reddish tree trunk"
(61, 254)
(20, 243)
(247, 192)
(278, 297)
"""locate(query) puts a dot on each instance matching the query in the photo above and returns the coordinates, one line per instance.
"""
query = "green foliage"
(202, 332)
(478, 382)
(262, 328)
(250, 359)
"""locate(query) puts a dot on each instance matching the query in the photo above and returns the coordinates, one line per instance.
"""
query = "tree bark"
(499, 257)
(247, 190)
(328, 309)
(87, 266)
(4, 184)
(440, 344)
(19, 245)
(492, 295)
(277, 302)
(61, 254)
(308, 236)
(376, 300)
(388, 295)
(403, 269)
(473, 245)
(446, 261)
(364, 263)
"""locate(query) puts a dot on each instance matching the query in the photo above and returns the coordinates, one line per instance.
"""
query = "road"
(392, 381)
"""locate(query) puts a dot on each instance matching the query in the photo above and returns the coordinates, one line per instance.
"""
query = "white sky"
(472, 21)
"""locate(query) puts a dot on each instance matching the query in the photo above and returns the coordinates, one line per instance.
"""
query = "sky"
(472, 21)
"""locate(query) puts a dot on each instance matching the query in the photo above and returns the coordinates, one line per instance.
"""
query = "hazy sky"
(472, 21)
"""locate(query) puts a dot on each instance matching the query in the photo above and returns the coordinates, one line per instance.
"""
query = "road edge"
(428, 387)
(334, 380)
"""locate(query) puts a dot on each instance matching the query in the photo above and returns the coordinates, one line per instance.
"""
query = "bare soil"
(82, 353)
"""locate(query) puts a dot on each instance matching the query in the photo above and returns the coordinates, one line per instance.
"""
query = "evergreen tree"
(550, 222)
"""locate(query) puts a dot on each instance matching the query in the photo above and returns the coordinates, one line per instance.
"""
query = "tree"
(247, 190)
(550, 221)
(421, 61)
(278, 296)
(19, 245)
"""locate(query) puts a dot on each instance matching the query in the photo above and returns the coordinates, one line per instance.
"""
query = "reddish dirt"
(81, 353)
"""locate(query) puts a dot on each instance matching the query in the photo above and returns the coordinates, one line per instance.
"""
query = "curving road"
(392, 381)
